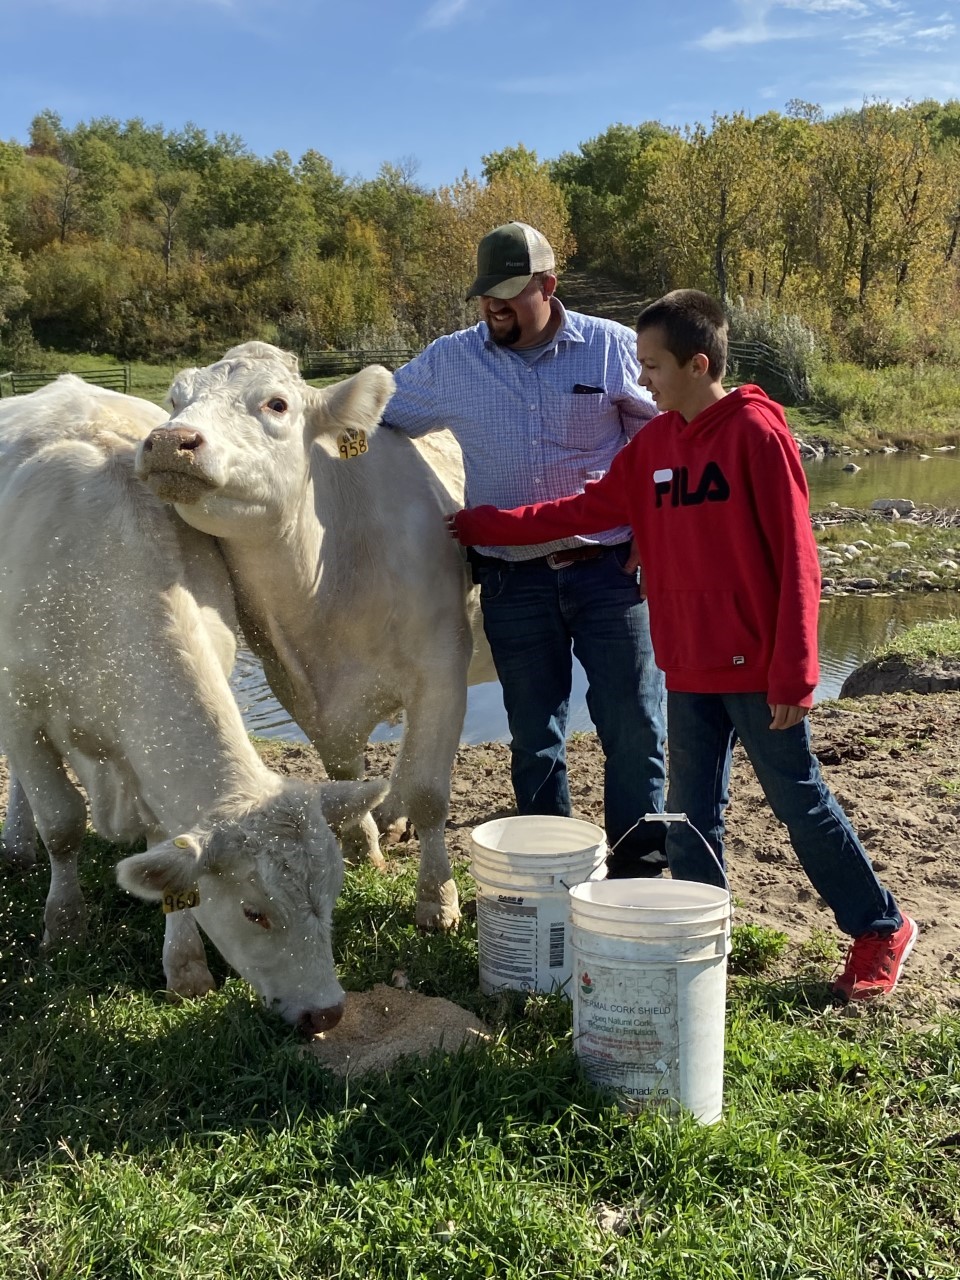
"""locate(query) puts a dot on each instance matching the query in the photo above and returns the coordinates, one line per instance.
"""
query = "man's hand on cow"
(450, 520)
(785, 717)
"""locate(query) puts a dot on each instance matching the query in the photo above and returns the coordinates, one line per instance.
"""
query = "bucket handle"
(682, 817)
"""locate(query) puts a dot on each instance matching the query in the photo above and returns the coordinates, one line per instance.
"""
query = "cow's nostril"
(186, 439)
(173, 440)
(313, 1021)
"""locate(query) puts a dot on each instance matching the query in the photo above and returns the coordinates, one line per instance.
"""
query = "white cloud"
(551, 86)
(121, 8)
(856, 7)
(943, 32)
(444, 13)
(889, 22)
(753, 31)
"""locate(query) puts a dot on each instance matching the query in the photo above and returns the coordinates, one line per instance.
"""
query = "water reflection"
(885, 475)
(851, 627)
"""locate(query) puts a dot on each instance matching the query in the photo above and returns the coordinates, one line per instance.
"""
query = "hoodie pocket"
(704, 631)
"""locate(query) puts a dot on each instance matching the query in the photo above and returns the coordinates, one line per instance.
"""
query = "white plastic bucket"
(649, 990)
(524, 868)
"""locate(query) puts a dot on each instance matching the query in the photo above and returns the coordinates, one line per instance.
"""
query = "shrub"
(796, 345)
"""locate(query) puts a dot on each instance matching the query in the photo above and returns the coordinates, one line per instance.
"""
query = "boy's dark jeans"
(701, 731)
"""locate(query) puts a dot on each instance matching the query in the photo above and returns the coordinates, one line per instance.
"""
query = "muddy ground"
(892, 760)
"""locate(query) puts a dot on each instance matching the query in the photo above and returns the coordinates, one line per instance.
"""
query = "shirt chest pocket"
(586, 422)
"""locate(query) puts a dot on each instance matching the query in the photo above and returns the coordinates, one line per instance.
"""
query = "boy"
(716, 497)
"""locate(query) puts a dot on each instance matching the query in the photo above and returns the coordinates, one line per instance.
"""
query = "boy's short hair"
(692, 323)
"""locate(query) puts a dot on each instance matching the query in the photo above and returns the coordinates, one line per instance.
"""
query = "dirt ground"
(893, 762)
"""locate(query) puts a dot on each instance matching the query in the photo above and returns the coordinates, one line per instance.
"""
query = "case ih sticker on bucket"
(628, 1031)
(508, 933)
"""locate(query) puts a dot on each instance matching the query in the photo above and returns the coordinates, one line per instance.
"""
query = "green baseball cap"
(507, 258)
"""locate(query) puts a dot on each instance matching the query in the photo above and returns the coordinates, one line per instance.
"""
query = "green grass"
(862, 407)
(940, 639)
(149, 381)
(150, 1140)
(850, 405)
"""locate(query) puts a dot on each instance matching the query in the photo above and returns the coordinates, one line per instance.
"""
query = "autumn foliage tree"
(131, 239)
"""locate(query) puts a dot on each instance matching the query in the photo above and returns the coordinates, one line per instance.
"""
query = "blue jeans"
(703, 728)
(535, 618)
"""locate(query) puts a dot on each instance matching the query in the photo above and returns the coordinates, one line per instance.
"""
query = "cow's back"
(89, 561)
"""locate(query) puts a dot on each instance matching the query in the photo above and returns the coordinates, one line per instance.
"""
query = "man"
(540, 400)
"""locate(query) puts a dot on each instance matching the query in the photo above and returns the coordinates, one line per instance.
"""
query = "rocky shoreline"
(890, 561)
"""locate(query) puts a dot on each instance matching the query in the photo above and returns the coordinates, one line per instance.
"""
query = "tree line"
(142, 242)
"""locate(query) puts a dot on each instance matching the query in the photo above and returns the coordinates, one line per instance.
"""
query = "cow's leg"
(18, 843)
(421, 787)
(184, 959)
(360, 841)
(61, 818)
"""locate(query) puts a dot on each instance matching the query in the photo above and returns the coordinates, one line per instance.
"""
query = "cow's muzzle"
(170, 463)
(312, 1021)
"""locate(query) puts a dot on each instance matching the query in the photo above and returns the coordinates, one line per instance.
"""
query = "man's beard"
(508, 337)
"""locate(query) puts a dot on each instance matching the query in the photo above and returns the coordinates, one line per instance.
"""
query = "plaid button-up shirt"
(529, 432)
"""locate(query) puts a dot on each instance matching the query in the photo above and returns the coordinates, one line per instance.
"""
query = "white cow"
(346, 583)
(117, 634)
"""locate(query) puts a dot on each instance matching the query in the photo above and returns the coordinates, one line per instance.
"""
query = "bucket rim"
(715, 897)
(593, 836)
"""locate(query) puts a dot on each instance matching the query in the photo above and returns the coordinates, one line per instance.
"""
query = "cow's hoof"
(358, 846)
(64, 927)
(398, 832)
(440, 916)
(16, 862)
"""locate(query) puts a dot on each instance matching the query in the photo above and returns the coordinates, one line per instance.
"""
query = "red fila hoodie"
(720, 511)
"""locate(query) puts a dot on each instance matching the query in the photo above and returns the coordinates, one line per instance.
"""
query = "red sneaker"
(875, 962)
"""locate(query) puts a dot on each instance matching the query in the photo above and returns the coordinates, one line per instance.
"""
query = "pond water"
(885, 475)
(850, 626)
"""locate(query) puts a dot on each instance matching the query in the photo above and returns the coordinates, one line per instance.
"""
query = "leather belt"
(555, 560)
(573, 555)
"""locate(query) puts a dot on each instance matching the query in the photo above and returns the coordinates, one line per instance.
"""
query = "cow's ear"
(354, 403)
(343, 803)
(169, 867)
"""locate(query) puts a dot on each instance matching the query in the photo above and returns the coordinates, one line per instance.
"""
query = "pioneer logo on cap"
(507, 258)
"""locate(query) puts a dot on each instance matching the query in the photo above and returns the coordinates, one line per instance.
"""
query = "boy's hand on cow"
(450, 520)
(785, 717)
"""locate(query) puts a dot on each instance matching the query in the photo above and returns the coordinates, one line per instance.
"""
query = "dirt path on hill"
(598, 295)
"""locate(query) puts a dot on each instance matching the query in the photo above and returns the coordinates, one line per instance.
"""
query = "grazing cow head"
(236, 448)
(267, 883)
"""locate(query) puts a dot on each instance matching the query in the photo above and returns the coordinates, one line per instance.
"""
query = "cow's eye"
(277, 405)
(257, 917)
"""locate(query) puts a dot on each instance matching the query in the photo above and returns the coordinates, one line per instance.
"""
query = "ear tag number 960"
(182, 900)
(352, 443)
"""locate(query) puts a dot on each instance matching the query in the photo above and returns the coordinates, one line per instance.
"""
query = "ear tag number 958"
(352, 443)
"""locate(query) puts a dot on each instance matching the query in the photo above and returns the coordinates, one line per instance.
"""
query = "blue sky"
(443, 82)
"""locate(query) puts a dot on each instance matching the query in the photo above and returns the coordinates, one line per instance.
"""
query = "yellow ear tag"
(182, 900)
(352, 443)
(182, 842)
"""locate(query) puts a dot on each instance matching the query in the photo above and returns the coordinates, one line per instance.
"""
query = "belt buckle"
(559, 560)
